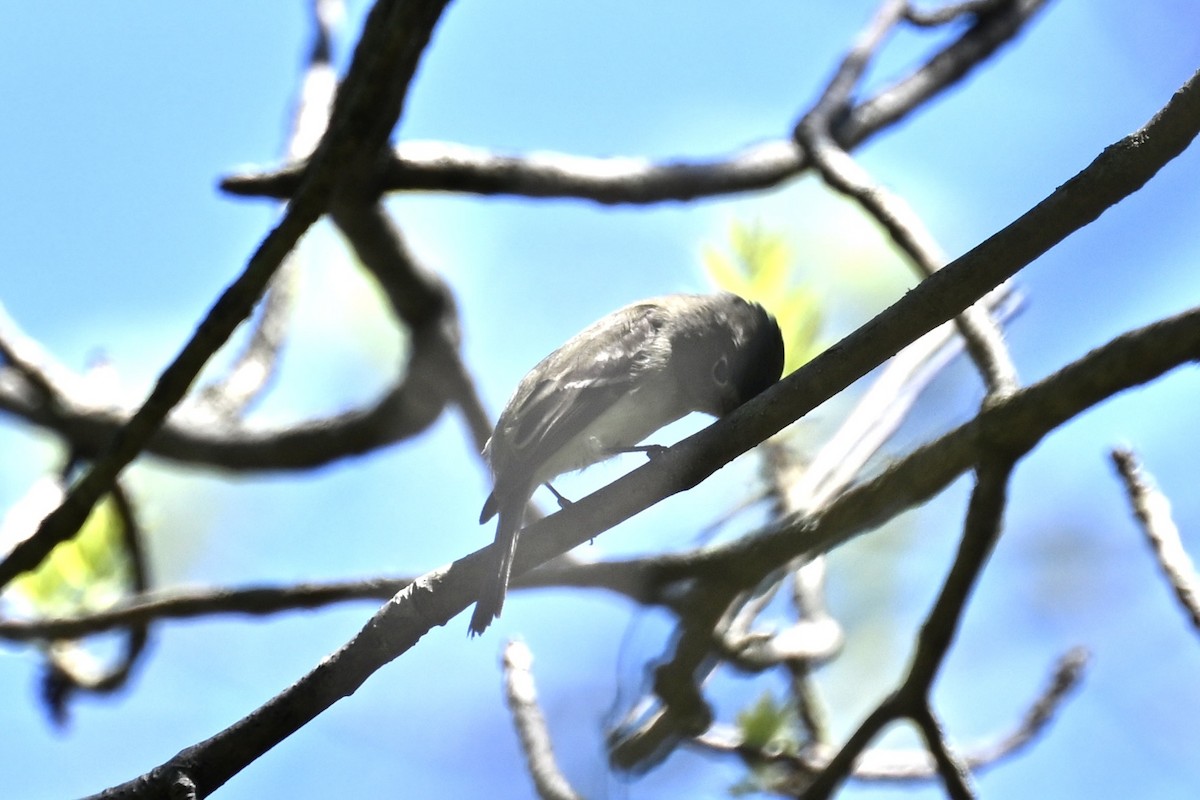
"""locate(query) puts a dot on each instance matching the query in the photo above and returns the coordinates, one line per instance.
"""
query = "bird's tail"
(491, 599)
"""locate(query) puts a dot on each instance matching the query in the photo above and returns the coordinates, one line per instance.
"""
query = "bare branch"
(985, 514)
(438, 596)
(420, 299)
(882, 408)
(953, 771)
(366, 110)
(835, 99)
(25, 358)
(449, 167)
(988, 33)
(521, 693)
(1153, 511)
(907, 765)
(200, 439)
(190, 603)
(985, 343)
(948, 13)
(254, 368)
(815, 133)
(911, 698)
(1068, 672)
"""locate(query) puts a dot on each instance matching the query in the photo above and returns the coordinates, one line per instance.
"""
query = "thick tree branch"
(440, 595)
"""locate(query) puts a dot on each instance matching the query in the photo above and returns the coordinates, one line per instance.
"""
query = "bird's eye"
(720, 371)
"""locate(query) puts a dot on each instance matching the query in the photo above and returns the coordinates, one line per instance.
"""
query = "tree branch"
(203, 441)
(1153, 512)
(441, 594)
(911, 698)
(436, 166)
(521, 693)
(367, 108)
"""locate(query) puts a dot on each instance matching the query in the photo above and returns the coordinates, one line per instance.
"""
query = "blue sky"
(114, 239)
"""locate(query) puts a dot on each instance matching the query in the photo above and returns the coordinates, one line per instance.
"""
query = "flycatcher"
(608, 388)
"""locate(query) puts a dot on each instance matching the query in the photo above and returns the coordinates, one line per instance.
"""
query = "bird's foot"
(562, 501)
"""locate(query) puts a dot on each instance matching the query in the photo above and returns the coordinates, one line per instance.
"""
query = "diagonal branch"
(1153, 512)
(255, 366)
(438, 596)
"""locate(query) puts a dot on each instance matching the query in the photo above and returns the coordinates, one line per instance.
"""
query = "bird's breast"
(625, 423)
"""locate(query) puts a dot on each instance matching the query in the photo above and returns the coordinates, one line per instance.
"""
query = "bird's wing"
(579, 382)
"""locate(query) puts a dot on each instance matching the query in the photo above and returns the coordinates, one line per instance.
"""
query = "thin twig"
(521, 693)
(37, 372)
(1153, 512)
(191, 603)
(951, 768)
(1068, 672)
(908, 765)
(816, 134)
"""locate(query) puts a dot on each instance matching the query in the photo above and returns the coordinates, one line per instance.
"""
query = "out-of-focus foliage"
(759, 265)
(88, 572)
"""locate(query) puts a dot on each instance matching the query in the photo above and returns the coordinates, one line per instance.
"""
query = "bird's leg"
(562, 501)
(652, 451)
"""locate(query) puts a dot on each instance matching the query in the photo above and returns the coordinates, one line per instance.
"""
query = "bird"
(607, 389)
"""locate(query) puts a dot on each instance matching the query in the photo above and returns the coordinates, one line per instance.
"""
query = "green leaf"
(87, 572)
(769, 726)
(759, 264)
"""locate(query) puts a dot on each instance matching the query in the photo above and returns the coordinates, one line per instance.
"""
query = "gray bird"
(608, 388)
